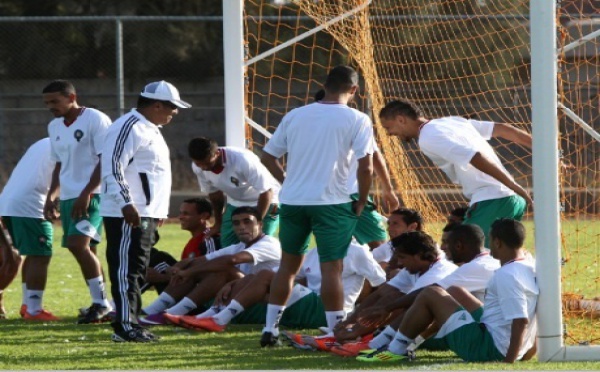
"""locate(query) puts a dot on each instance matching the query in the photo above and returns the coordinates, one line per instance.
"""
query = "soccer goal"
(526, 62)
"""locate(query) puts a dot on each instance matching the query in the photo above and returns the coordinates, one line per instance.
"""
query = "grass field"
(65, 345)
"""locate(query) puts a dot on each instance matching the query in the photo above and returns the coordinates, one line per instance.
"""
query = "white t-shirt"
(266, 254)
(352, 180)
(474, 275)
(511, 294)
(383, 253)
(77, 148)
(25, 191)
(318, 139)
(358, 266)
(406, 282)
(451, 143)
(242, 179)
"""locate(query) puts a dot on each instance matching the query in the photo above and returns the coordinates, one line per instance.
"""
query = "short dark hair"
(340, 79)
(202, 205)
(410, 216)
(201, 148)
(144, 102)
(247, 210)
(64, 87)
(319, 95)
(416, 242)
(459, 212)
(509, 231)
(450, 226)
(401, 107)
(471, 236)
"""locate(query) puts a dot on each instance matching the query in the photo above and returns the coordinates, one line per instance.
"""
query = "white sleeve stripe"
(118, 151)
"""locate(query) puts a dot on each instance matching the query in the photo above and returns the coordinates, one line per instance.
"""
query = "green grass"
(65, 345)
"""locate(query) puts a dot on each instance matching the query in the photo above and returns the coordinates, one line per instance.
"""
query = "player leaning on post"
(137, 187)
(459, 147)
(318, 139)
(76, 139)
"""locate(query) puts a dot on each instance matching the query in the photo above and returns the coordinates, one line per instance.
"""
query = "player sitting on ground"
(194, 285)
(507, 329)
(464, 245)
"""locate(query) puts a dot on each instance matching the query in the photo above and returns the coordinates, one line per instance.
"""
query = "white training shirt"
(358, 266)
(77, 148)
(242, 179)
(318, 139)
(136, 168)
(266, 254)
(25, 191)
(383, 253)
(511, 294)
(451, 143)
(474, 275)
(352, 179)
(406, 282)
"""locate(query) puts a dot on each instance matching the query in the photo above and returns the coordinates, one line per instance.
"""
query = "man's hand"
(390, 202)
(222, 298)
(358, 206)
(80, 207)
(181, 276)
(131, 215)
(50, 211)
(376, 317)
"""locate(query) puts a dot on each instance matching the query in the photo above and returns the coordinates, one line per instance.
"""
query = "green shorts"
(469, 339)
(485, 212)
(440, 344)
(31, 236)
(332, 226)
(307, 312)
(270, 224)
(90, 226)
(370, 226)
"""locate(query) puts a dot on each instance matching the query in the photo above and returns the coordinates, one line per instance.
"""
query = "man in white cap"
(136, 175)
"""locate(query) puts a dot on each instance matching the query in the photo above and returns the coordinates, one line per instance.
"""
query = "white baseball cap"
(164, 91)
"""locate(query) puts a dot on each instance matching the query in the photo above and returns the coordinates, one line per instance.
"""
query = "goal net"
(468, 58)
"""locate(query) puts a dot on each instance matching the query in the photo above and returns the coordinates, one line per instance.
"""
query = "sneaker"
(135, 335)
(352, 349)
(95, 314)
(23, 310)
(146, 333)
(153, 320)
(268, 339)
(322, 343)
(207, 324)
(44, 316)
(292, 337)
(381, 355)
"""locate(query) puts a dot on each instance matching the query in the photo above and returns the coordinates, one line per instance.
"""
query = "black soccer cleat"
(135, 335)
(267, 339)
(95, 314)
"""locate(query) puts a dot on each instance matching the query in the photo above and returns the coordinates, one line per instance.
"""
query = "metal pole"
(545, 175)
(233, 55)
(120, 78)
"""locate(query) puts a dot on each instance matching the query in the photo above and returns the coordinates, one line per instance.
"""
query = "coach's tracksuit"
(136, 169)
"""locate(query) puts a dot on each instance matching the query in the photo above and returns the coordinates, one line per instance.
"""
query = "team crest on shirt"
(78, 135)
(235, 181)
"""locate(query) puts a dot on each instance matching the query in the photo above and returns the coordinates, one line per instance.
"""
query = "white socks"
(159, 305)
(384, 338)
(274, 314)
(400, 344)
(212, 311)
(34, 301)
(98, 291)
(183, 307)
(24, 290)
(224, 317)
(334, 317)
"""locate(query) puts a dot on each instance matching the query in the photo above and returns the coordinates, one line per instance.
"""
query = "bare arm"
(487, 167)
(274, 166)
(217, 199)
(364, 175)
(391, 202)
(264, 202)
(50, 212)
(218, 264)
(512, 133)
(83, 201)
(517, 331)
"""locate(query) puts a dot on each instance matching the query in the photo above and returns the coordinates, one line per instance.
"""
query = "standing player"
(76, 138)
(459, 147)
(137, 179)
(319, 139)
(239, 175)
(22, 211)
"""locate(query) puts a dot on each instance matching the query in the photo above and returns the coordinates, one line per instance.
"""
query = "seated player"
(464, 244)
(304, 308)
(199, 281)
(507, 328)
(423, 264)
(194, 216)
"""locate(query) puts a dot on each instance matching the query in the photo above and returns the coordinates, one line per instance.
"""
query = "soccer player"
(507, 329)
(22, 211)
(200, 281)
(10, 261)
(459, 147)
(318, 139)
(239, 175)
(306, 310)
(137, 187)
(76, 137)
